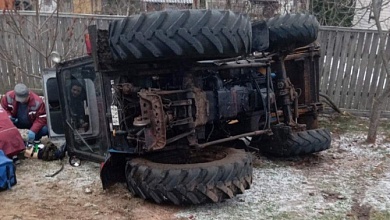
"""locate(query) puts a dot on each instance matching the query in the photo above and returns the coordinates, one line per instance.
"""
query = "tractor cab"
(75, 109)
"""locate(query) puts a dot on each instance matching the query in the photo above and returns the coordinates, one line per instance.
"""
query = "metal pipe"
(254, 133)
(282, 77)
(296, 115)
(258, 90)
(298, 56)
(231, 66)
(268, 78)
(275, 105)
(180, 136)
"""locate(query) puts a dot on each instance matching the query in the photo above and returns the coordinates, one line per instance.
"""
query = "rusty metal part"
(312, 108)
(183, 121)
(304, 109)
(297, 127)
(234, 65)
(200, 99)
(192, 139)
(152, 109)
(166, 92)
(180, 103)
(315, 110)
(217, 65)
(140, 121)
(180, 136)
(202, 107)
(285, 89)
(253, 133)
(128, 88)
(301, 53)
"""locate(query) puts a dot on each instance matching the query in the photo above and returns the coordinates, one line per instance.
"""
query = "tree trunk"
(374, 119)
(377, 105)
(228, 5)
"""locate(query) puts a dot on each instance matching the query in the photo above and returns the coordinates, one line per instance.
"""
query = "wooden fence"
(26, 44)
(351, 71)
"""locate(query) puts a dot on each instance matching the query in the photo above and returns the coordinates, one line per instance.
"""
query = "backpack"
(7, 172)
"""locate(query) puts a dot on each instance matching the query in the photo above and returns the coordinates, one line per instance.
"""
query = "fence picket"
(346, 92)
(10, 67)
(372, 55)
(340, 73)
(355, 71)
(381, 69)
(325, 73)
(384, 73)
(323, 40)
(362, 71)
(375, 74)
(3, 65)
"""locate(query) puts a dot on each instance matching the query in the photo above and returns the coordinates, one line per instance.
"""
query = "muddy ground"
(349, 181)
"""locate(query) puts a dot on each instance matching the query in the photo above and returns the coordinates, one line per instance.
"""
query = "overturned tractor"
(174, 101)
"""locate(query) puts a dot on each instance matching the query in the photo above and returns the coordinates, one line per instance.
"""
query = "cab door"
(53, 106)
(81, 117)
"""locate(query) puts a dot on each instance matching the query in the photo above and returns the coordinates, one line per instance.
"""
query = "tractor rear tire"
(288, 32)
(181, 34)
(285, 143)
(221, 173)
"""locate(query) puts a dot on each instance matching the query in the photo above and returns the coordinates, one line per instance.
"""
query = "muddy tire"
(287, 32)
(222, 174)
(285, 143)
(189, 34)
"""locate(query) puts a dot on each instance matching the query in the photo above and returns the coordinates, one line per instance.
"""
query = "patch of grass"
(379, 215)
(287, 215)
(342, 124)
(331, 216)
(384, 127)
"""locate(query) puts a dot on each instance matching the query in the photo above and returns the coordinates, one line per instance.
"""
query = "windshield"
(83, 101)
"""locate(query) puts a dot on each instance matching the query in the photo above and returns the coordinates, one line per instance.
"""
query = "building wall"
(364, 17)
(87, 6)
(6, 4)
(47, 6)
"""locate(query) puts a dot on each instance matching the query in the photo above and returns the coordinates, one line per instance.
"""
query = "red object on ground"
(11, 142)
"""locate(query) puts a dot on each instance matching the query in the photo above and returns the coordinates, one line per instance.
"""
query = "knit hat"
(21, 92)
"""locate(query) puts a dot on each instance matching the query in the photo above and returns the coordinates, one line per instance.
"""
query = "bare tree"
(29, 37)
(379, 101)
(122, 7)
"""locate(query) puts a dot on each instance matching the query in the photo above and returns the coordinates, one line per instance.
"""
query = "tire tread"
(190, 34)
(297, 143)
(195, 185)
(287, 32)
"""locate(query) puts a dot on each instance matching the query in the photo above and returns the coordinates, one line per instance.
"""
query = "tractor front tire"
(203, 176)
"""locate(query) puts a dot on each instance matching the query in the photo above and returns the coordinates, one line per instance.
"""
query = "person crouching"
(27, 111)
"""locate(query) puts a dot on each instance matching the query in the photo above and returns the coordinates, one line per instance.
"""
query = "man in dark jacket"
(77, 98)
(27, 111)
